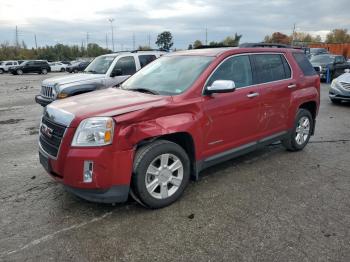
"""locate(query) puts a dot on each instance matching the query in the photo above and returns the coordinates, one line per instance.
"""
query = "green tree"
(197, 44)
(165, 40)
(232, 41)
(190, 46)
(144, 48)
(338, 36)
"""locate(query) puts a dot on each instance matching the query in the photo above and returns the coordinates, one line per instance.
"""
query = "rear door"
(232, 118)
(273, 75)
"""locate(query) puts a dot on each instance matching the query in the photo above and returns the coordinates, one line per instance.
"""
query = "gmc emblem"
(47, 131)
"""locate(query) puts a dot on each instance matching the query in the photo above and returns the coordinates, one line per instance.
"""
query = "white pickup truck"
(103, 72)
(5, 65)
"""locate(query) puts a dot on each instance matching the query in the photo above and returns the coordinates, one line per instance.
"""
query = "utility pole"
(206, 36)
(16, 35)
(133, 41)
(106, 41)
(87, 44)
(149, 40)
(36, 43)
(293, 34)
(111, 20)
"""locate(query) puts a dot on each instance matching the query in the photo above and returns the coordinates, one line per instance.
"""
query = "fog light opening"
(88, 171)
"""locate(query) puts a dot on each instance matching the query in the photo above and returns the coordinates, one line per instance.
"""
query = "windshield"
(322, 59)
(100, 65)
(169, 75)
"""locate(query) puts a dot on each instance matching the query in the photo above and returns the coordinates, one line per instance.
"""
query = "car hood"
(71, 79)
(344, 78)
(107, 102)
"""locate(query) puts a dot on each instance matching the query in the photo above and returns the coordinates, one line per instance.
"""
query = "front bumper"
(115, 194)
(42, 100)
(339, 94)
(112, 170)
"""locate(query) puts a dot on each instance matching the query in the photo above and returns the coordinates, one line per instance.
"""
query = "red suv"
(177, 116)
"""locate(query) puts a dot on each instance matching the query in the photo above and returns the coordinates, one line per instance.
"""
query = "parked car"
(182, 113)
(77, 67)
(340, 88)
(66, 62)
(6, 65)
(336, 64)
(317, 51)
(33, 66)
(104, 71)
(57, 67)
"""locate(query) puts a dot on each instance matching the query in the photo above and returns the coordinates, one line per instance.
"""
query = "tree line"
(333, 37)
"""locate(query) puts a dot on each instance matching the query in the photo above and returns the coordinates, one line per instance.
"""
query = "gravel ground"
(270, 205)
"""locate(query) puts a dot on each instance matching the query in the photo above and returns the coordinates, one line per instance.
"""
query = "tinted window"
(270, 67)
(304, 64)
(126, 65)
(146, 59)
(9, 63)
(237, 69)
(339, 59)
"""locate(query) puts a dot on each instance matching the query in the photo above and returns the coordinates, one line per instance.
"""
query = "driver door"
(127, 66)
(232, 119)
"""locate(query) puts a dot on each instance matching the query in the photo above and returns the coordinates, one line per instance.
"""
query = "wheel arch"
(183, 139)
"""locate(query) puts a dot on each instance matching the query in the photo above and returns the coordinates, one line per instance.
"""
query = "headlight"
(335, 84)
(96, 131)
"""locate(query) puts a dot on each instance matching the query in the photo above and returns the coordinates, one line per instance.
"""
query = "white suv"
(5, 65)
(103, 72)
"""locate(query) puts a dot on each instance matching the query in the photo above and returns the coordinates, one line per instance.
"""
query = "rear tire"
(301, 133)
(161, 173)
(63, 70)
(1, 71)
(76, 71)
(44, 71)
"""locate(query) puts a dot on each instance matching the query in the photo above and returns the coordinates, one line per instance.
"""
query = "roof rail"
(212, 46)
(271, 45)
(136, 51)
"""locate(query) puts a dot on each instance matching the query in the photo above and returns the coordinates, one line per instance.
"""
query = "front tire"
(19, 72)
(301, 133)
(1, 71)
(161, 173)
(44, 71)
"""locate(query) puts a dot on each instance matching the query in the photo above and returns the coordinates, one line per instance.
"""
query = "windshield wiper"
(92, 71)
(143, 90)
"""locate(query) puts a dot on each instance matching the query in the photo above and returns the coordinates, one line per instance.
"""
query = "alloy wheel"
(302, 131)
(164, 176)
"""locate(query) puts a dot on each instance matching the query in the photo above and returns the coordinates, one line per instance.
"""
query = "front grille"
(47, 91)
(50, 141)
(345, 85)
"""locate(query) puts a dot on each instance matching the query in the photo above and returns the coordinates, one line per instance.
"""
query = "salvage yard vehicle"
(104, 71)
(57, 67)
(340, 88)
(77, 67)
(177, 116)
(32, 66)
(6, 65)
(335, 63)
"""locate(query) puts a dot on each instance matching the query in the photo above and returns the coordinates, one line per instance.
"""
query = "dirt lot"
(270, 205)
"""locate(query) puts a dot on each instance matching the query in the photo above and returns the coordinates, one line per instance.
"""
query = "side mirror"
(347, 70)
(116, 72)
(221, 86)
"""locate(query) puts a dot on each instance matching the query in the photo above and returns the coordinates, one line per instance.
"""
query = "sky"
(70, 21)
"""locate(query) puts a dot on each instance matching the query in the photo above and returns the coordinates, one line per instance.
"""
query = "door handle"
(251, 95)
(292, 86)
